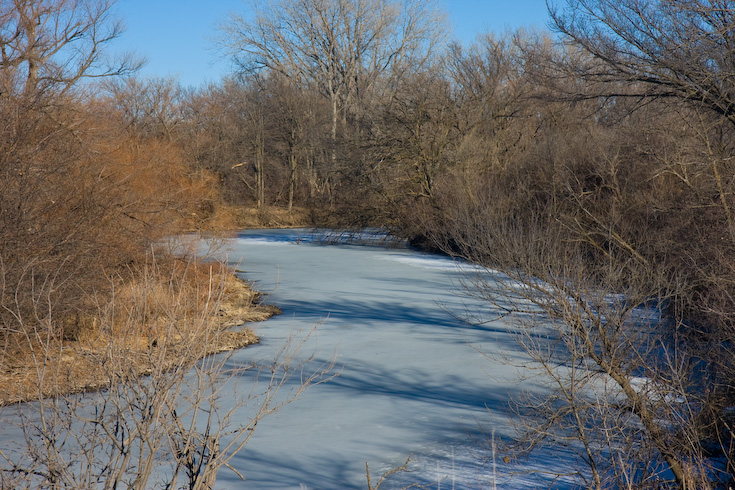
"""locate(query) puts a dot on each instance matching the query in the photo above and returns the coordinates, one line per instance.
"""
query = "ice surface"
(414, 379)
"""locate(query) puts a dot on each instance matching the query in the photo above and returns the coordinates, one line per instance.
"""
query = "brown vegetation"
(158, 414)
(152, 317)
(596, 168)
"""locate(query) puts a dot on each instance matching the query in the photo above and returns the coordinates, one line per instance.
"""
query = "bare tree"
(295, 112)
(680, 49)
(469, 115)
(47, 222)
(341, 47)
(621, 394)
(587, 235)
(78, 293)
(151, 107)
(680, 53)
(417, 134)
(249, 114)
(52, 44)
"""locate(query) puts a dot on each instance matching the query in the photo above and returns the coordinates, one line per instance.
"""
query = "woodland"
(591, 164)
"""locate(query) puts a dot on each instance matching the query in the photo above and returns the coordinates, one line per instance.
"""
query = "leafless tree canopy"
(341, 47)
(52, 44)
(664, 48)
(348, 50)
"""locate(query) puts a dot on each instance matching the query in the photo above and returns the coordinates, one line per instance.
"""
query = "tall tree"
(55, 43)
(675, 49)
(342, 47)
(683, 49)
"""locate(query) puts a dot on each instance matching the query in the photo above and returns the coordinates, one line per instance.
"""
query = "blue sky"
(175, 36)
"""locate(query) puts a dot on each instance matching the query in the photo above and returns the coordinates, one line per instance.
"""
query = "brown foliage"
(82, 199)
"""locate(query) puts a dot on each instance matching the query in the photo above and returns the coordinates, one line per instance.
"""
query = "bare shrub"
(622, 393)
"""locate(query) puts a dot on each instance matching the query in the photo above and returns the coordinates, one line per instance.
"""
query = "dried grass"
(228, 217)
(166, 313)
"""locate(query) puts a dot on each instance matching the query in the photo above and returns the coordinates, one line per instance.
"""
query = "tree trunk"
(292, 179)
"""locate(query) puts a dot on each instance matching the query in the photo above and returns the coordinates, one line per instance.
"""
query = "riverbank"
(46, 360)
(38, 365)
(228, 217)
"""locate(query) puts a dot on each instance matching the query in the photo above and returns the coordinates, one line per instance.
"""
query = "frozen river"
(413, 378)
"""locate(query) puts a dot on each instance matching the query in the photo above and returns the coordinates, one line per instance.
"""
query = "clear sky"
(176, 36)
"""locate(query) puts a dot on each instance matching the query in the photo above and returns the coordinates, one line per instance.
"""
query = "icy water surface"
(413, 378)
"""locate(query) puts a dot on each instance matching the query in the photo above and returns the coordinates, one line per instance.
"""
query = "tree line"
(588, 168)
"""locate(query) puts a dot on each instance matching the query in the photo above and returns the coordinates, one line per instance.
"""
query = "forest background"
(596, 160)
